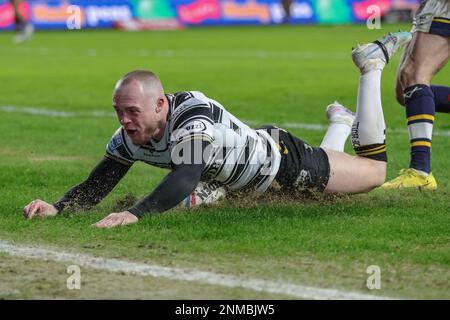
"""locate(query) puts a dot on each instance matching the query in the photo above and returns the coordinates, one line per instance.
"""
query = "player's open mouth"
(130, 132)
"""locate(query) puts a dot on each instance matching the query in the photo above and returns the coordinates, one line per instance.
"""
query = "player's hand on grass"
(117, 219)
(39, 208)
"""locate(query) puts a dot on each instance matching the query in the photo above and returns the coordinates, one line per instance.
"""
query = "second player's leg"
(419, 66)
(398, 84)
(425, 56)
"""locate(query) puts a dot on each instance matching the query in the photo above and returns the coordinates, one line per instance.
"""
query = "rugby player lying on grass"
(201, 143)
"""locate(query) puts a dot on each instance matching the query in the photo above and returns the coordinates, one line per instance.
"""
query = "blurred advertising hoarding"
(54, 14)
(223, 12)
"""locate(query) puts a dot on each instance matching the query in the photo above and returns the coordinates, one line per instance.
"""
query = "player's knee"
(375, 173)
(405, 76)
(410, 75)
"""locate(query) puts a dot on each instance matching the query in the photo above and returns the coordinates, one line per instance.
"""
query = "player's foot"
(25, 34)
(337, 113)
(410, 178)
(376, 55)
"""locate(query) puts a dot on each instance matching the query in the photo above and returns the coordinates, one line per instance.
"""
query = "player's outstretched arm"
(175, 187)
(103, 178)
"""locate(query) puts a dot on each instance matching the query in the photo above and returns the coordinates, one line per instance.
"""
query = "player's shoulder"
(180, 98)
(184, 99)
(116, 140)
(119, 148)
(187, 104)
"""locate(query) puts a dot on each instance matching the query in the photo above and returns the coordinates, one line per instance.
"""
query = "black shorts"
(302, 167)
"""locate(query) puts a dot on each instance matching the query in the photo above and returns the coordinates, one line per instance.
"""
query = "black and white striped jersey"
(240, 157)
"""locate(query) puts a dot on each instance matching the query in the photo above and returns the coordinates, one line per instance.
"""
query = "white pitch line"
(141, 269)
(55, 113)
(187, 53)
(99, 114)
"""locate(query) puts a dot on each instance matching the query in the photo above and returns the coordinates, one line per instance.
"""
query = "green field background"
(282, 75)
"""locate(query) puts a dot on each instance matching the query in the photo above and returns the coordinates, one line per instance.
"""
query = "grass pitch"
(283, 75)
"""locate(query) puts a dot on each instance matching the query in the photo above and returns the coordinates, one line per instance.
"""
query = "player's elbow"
(188, 184)
(189, 178)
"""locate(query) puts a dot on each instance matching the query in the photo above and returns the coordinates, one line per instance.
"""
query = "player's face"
(136, 113)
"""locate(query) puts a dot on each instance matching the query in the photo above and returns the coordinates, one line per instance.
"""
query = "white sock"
(369, 127)
(336, 136)
(426, 174)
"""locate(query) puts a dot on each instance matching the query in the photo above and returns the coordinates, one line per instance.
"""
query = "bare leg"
(425, 56)
(398, 85)
(353, 174)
